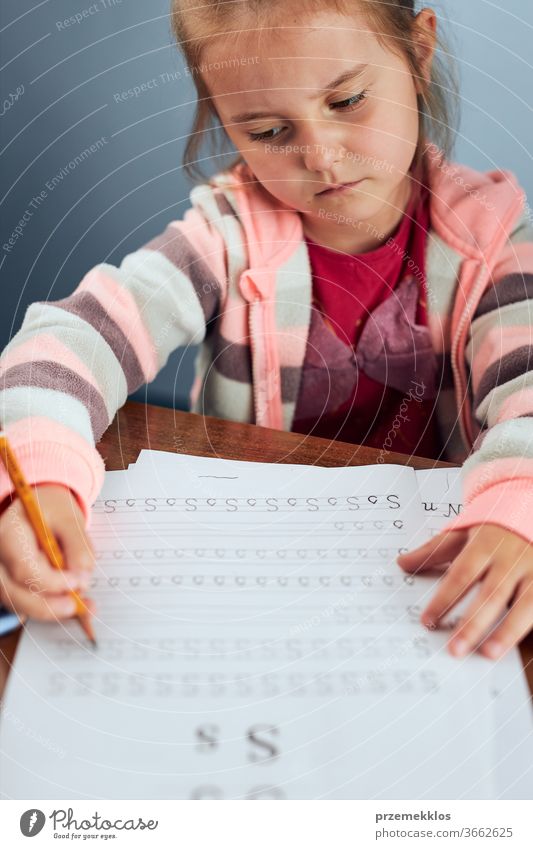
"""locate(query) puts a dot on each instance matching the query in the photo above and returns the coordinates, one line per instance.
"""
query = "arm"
(491, 541)
(498, 474)
(74, 361)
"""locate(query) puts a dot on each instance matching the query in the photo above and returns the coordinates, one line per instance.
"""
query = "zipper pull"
(255, 284)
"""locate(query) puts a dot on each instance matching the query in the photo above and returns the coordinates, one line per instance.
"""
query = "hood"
(468, 209)
(473, 212)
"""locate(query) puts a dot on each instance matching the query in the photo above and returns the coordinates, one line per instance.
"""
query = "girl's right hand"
(29, 584)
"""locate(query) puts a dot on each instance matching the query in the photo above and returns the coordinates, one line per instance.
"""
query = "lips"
(338, 186)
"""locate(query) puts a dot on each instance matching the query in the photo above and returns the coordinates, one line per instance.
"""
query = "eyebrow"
(350, 74)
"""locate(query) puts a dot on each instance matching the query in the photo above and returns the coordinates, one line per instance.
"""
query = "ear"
(425, 36)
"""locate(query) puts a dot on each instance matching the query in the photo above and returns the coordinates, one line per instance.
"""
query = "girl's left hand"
(503, 562)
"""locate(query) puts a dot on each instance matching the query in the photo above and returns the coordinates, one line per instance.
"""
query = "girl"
(343, 278)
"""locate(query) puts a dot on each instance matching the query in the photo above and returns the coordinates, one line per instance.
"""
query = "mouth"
(339, 187)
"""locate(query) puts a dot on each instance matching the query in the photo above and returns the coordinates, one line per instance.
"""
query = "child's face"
(314, 140)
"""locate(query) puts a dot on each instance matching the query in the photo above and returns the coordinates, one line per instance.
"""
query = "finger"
(67, 523)
(29, 566)
(440, 549)
(494, 595)
(465, 570)
(76, 546)
(517, 623)
(44, 606)
(26, 562)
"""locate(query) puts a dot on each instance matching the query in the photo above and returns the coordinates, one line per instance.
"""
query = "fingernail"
(66, 607)
(493, 649)
(86, 562)
(76, 582)
(459, 647)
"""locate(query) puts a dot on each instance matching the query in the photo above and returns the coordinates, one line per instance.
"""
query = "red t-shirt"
(370, 373)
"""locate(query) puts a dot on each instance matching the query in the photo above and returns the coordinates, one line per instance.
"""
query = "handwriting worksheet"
(257, 639)
(441, 494)
(512, 715)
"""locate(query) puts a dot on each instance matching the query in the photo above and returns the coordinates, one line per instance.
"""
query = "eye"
(351, 101)
(262, 136)
(349, 104)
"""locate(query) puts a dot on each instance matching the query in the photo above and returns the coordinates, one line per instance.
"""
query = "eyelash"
(358, 98)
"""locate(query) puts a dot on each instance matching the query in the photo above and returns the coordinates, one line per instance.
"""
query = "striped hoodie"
(233, 277)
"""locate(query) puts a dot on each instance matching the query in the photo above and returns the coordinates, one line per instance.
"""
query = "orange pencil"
(44, 535)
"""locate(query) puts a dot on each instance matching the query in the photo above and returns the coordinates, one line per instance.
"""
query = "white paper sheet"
(441, 494)
(256, 639)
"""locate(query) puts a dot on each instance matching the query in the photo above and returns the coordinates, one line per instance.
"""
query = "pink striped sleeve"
(48, 452)
(121, 308)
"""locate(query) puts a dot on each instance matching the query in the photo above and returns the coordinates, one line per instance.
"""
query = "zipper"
(253, 351)
(265, 367)
(268, 396)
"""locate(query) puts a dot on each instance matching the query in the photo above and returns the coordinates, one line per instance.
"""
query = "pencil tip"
(93, 643)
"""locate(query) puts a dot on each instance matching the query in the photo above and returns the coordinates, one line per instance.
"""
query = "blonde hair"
(196, 23)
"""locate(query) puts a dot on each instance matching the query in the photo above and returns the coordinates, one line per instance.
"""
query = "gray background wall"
(59, 92)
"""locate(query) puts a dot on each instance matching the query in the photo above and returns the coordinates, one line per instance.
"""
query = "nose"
(322, 150)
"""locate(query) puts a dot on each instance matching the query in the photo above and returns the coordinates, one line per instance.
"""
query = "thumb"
(76, 547)
(69, 529)
(439, 549)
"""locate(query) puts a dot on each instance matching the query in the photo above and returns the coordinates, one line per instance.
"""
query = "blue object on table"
(8, 621)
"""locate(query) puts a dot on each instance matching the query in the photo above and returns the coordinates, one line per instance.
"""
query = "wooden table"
(139, 426)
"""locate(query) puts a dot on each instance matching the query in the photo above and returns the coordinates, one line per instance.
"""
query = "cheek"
(390, 138)
(402, 123)
(272, 167)
(281, 182)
